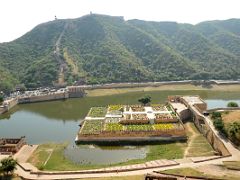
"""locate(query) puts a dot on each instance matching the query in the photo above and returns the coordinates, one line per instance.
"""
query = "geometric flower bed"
(137, 108)
(97, 112)
(165, 118)
(137, 121)
(115, 107)
(92, 127)
(158, 107)
(113, 127)
(164, 126)
(144, 127)
(140, 117)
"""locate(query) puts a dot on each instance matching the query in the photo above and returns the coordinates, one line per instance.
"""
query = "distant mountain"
(100, 49)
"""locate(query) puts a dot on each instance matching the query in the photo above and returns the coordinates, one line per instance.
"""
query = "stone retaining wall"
(47, 97)
(128, 140)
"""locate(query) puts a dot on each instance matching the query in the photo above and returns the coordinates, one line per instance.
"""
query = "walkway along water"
(229, 152)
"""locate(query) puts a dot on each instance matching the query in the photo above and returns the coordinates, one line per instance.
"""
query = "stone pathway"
(24, 153)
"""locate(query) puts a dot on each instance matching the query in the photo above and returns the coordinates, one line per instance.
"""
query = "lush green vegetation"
(7, 166)
(142, 127)
(97, 112)
(199, 145)
(92, 127)
(115, 107)
(100, 49)
(114, 127)
(145, 100)
(57, 160)
(219, 125)
(232, 104)
(164, 126)
(1, 99)
(229, 127)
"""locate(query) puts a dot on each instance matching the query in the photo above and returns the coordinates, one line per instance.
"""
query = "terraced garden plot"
(114, 112)
(158, 107)
(112, 120)
(114, 127)
(140, 117)
(164, 126)
(127, 117)
(137, 108)
(97, 112)
(145, 127)
(92, 127)
(115, 107)
(163, 116)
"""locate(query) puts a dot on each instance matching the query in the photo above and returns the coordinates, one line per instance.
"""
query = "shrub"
(232, 104)
(219, 125)
(145, 100)
(8, 165)
(216, 115)
(1, 99)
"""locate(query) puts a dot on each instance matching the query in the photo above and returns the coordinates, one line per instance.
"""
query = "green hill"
(101, 49)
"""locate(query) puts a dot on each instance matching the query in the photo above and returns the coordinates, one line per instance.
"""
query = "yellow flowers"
(163, 126)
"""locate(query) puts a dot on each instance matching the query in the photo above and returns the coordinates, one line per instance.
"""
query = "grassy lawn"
(199, 146)
(92, 127)
(41, 154)
(106, 92)
(97, 112)
(195, 172)
(190, 172)
(185, 172)
(57, 161)
(232, 164)
(141, 177)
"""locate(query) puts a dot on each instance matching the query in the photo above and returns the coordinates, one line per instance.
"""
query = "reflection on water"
(89, 154)
(57, 121)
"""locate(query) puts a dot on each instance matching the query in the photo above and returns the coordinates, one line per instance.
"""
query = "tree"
(1, 99)
(8, 165)
(216, 115)
(145, 100)
(232, 104)
(233, 130)
(219, 125)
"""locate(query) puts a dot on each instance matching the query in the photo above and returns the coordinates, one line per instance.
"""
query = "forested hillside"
(101, 49)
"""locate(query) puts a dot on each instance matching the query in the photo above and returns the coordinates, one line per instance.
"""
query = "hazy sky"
(19, 16)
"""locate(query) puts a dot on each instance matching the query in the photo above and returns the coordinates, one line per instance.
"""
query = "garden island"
(131, 124)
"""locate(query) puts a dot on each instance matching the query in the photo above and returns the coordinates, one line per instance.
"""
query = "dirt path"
(190, 140)
(216, 170)
(59, 58)
(49, 155)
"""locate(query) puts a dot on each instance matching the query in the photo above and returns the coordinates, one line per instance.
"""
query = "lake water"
(57, 121)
